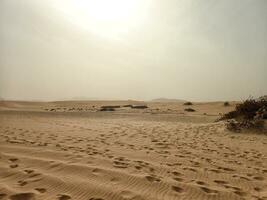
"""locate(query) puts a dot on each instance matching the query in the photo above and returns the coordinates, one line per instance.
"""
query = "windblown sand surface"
(68, 150)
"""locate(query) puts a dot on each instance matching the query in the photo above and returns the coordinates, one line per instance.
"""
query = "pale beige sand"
(154, 154)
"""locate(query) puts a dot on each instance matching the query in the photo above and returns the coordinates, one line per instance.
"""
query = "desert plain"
(70, 150)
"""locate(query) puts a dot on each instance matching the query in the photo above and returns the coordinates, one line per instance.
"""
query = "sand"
(68, 150)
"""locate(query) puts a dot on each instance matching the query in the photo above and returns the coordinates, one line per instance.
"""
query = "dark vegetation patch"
(226, 103)
(190, 110)
(112, 108)
(107, 109)
(139, 107)
(127, 106)
(188, 103)
(249, 114)
(104, 107)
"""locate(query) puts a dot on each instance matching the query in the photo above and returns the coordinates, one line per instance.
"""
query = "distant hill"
(83, 98)
(167, 100)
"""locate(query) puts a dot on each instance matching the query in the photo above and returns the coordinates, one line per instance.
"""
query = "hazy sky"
(142, 49)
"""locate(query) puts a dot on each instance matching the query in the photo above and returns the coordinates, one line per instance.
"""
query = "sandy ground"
(68, 150)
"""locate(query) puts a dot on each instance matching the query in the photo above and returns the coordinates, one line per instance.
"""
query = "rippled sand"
(159, 153)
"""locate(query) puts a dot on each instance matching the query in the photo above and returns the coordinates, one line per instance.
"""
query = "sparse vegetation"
(247, 115)
(248, 109)
(110, 107)
(127, 106)
(139, 107)
(226, 103)
(188, 103)
(237, 126)
(107, 109)
(189, 110)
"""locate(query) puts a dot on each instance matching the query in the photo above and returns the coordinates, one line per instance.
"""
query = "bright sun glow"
(115, 11)
(109, 18)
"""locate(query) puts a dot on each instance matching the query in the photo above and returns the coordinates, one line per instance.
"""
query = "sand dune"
(159, 153)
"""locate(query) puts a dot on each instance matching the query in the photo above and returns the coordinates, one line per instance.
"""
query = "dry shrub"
(247, 115)
(189, 110)
(233, 125)
(237, 126)
(110, 107)
(230, 115)
(188, 103)
(107, 109)
(247, 110)
(139, 107)
(127, 106)
(226, 103)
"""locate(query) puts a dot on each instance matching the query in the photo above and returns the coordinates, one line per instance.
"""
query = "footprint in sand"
(220, 182)
(259, 178)
(240, 193)
(257, 189)
(115, 179)
(28, 171)
(2, 195)
(13, 166)
(178, 179)
(119, 164)
(177, 173)
(138, 167)
(22, 183)
(129, 195)
(34, 175)
(215, 171)
(63, 197)
(177, 189)
(226, 169)
(13, 159)
(190, 169)
(23, 196)
(208, 190)
(41, 190)
(244, 178)
(152, 179)
(151, 169)
(201, 183)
